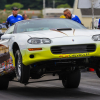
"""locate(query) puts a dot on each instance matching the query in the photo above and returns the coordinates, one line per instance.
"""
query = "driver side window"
(10, 30)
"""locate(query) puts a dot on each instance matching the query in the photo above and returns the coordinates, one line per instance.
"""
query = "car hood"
(64, 33)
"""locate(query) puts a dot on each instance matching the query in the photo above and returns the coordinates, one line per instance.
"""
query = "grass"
(4, 15)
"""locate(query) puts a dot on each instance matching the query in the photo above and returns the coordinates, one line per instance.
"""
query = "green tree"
(18, 5)
(49, 3)
(8, 6)
(64, 6)
(36, 4)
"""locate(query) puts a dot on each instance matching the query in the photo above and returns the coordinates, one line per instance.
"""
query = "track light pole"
(44, 7)
(53, 3)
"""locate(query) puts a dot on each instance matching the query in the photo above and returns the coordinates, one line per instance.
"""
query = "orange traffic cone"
(91, 69)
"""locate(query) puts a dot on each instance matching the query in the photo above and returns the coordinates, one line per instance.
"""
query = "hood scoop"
(63, 29)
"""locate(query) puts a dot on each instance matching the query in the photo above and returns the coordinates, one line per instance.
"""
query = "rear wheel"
(4, 82)
(72, 79)
(22, 71)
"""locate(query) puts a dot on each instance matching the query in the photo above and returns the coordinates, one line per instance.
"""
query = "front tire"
(4, 82)
(72, 79)
(22, 71)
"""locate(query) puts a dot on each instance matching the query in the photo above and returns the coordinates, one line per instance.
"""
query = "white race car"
(57, 46)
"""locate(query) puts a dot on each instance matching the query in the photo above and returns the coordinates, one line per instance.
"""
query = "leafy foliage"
(35, 4)
(9, 6)
(18, 5)
(64, 6)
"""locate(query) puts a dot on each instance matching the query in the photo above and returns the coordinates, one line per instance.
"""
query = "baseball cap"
(14, 8)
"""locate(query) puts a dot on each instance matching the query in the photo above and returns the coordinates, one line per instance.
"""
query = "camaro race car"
(57, 46)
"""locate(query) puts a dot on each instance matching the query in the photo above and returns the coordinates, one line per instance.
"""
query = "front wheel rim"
(19, 67)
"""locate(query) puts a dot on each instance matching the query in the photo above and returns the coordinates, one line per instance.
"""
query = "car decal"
(6, 63)
(60, 32)
(7, 67)
(73, 55)
(74, 32)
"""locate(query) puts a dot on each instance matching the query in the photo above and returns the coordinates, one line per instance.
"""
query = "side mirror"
(6, 36)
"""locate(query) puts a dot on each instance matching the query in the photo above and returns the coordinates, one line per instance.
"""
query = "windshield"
(46, 24)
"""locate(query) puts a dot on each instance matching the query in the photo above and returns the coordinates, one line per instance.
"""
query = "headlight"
(34, 41)
(96, 37)
(46, 41)
(39, 41)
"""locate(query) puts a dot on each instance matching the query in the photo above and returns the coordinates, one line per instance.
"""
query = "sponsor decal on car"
(3, 49)
(6, 62)
(6, 67)
(73, 55)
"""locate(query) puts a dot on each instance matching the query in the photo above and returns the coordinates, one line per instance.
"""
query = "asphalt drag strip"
(53, 90)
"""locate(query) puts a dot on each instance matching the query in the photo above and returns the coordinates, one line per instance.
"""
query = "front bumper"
(46, 54)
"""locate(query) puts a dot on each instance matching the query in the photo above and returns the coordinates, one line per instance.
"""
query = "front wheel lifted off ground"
(72, 79)
(22, 71)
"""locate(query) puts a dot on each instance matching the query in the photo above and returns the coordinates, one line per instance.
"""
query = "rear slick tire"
(72, 79)
(22, 71)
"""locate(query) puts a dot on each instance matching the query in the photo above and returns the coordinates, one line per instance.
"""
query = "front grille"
(67, 49)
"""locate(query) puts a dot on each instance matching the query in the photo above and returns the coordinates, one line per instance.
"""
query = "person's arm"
(99, 24)
(7, 23)
(78, 20)
(22, 18)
